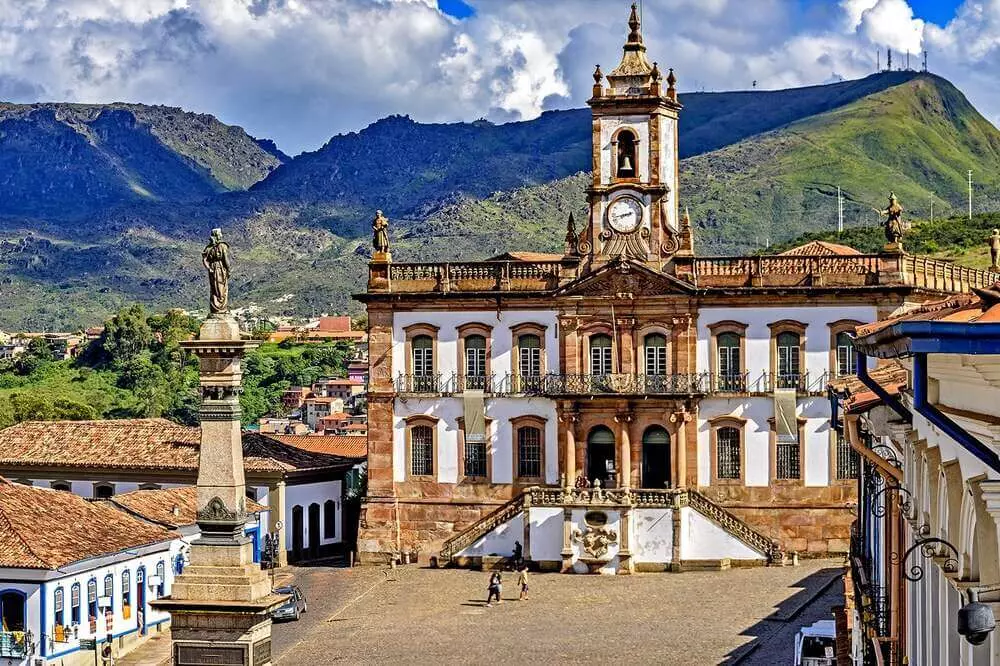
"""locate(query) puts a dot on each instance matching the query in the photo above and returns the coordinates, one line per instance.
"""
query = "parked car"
(294, 607)
(816, 645)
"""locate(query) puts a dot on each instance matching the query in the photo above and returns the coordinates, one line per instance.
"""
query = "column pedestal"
(220, 605)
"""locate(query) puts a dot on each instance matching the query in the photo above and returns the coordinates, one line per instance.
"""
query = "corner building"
(626, 403)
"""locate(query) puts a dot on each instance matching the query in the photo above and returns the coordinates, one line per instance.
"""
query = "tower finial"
(634, 25)
(598, 75)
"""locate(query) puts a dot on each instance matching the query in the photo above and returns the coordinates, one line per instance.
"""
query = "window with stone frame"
(424, 378)
(788, 345)
(728, 451)
(846, 355)
(475, 362)
(529, 452)
(529, 348)
(475, 459)
(848, 460)
(730, 369)
(655, 345)
(600, 355)
(421, 450)
(788, 463)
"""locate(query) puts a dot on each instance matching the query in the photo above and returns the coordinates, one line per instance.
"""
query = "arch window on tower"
(625, 155)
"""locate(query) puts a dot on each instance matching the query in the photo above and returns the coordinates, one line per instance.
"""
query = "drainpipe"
(834, 410)
(876, 388)
(941, 421)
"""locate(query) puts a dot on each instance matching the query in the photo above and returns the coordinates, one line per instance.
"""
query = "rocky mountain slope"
(112, 204)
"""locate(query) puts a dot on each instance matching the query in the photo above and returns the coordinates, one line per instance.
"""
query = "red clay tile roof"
(138, 444)
(347, 446)
(820, 248)
(48, 529)
(526, 256)
(981, 306)
(159, 506)
(891, 376)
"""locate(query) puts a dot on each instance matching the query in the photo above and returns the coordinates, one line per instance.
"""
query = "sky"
(301, 71)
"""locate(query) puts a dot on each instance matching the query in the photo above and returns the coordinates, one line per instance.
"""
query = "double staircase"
(674, 499)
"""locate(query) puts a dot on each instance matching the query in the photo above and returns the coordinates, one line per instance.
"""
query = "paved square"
(411, 615)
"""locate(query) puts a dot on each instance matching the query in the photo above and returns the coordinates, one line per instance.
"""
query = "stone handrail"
(945, 275)
(474, 276)
(735, 526)
(859, 264)
(481, 528)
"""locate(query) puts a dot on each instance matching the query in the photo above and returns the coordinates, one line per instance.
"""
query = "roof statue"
(215, 258)
(893, 221)
(995, 250)
(380, 233)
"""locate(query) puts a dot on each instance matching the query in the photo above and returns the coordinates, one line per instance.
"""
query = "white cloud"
(301, 70)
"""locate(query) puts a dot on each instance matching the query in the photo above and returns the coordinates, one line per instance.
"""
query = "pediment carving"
(626, 279)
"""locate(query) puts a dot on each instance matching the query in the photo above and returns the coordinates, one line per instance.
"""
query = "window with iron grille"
(475, 361)
(421, 451)
(788, 465)
(730, 372)
(475, 459)
(728, 451)
(656, 354)
(600, 355)
(848, 461)
(529, 452)
(529, 355)
(788, 360)
(846, 356)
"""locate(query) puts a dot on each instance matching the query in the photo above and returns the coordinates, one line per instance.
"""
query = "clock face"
(625, 215)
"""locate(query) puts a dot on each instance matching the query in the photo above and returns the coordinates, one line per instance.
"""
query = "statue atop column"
(893, 222)
(995, 250)
(380, 233)
(215, 258)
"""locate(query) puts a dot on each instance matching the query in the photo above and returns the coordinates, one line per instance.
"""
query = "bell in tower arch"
(626, 155)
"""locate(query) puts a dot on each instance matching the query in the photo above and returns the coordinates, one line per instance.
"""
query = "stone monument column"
(219, 606)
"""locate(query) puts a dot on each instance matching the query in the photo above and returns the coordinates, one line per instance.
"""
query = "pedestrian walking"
(518, 554)
(522, 582)
(493, 589)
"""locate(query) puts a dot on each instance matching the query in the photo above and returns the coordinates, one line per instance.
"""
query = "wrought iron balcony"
(625, 384)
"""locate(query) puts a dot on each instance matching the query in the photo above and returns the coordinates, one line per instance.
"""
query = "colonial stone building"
(690, 386)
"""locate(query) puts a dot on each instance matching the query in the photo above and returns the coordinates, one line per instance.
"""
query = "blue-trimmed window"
(59, 605)
(109, 589)
(74, 603)
(92, 597)
(178, 564)
(126, 588)
(161, 571)
(13, 610)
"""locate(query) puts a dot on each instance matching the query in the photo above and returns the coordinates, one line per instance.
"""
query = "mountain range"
(101, 205)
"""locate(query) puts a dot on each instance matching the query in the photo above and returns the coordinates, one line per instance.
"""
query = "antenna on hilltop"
(878, 60)
(888, 56)
(925, 61)
(840, 211)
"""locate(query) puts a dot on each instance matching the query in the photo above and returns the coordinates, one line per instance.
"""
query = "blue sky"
(300, 72)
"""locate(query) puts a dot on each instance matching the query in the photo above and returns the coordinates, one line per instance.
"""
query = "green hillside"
(115, 202)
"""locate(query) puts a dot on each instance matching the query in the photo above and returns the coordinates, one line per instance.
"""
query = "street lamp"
(975, 619)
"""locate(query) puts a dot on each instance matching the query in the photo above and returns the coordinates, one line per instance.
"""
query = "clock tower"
(633, 196)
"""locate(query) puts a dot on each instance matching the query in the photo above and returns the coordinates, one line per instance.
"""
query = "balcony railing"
(614, 384)
(475, 276)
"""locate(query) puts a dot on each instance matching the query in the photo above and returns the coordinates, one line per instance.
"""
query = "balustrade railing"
(13, 645)
(475, 276)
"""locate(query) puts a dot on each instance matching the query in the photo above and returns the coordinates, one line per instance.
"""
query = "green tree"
(36, 357)
(126, 336)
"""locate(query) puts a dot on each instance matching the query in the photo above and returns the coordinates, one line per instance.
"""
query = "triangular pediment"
(624, 277)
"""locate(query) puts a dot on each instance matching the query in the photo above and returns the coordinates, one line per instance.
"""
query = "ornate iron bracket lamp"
(879, 510)
(928, 548)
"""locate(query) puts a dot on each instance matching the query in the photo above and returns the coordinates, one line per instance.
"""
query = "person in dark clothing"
(493, 590)
(518, 554)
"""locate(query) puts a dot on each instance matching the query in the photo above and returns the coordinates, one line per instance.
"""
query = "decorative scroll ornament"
(889, 456)
(596, 540)
(216, 512)
(880, 509)
(928, 548)
(634, 245)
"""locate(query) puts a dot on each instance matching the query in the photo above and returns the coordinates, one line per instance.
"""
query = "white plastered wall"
(499, 541)
(652, 536)
(640, 126)
(309, 493)
(705, 540)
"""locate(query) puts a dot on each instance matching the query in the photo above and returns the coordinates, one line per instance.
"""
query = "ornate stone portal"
(219, 606)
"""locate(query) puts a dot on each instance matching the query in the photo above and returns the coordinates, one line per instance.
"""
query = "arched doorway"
(601, 455)
(297, 533)
(12, 610)
(655, 457)
(314, 534)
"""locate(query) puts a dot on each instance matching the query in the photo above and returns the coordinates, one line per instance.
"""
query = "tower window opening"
(626, 155)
